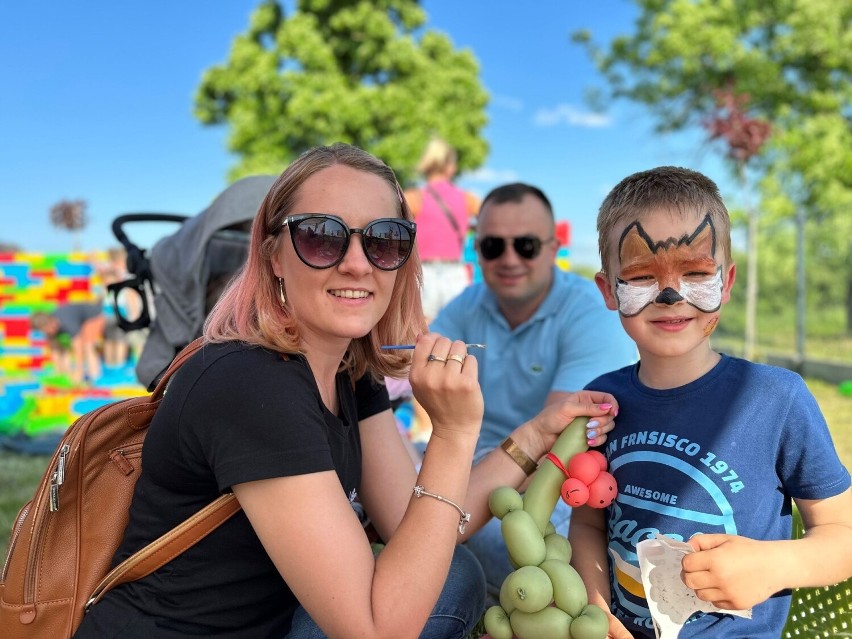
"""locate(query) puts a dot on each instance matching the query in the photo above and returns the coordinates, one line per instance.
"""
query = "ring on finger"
(456, 358)
(435, 358)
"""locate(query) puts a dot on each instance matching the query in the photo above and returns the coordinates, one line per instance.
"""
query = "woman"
(282, 407)
(443, 213)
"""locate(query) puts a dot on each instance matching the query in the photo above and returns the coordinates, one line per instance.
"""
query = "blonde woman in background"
(443, 213)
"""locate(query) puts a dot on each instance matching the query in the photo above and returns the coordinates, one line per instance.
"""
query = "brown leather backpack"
(64, 539)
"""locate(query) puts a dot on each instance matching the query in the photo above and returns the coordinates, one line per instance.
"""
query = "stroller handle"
(137, 264)
(118, 222)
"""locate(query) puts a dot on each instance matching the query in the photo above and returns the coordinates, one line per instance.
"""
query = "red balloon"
(603, 491)
(599, 456)
(584, 467)
(574, 492)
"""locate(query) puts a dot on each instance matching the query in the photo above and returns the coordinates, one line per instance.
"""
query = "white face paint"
(632, 298)
(706, 296)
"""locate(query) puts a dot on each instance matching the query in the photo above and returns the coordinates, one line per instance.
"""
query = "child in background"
(74, 332)
(710, 449)
(116, 345)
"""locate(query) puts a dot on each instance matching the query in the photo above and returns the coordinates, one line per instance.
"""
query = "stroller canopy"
(191, 267)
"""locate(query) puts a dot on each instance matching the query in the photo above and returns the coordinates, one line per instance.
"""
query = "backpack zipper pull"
(60, 467)
(58, 478)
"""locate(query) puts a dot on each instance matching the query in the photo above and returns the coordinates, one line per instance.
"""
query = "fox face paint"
(669, 271)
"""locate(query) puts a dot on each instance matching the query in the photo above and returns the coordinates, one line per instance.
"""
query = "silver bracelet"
(463, 516)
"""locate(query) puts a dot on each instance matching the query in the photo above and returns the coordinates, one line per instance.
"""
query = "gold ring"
(435, 358)
(457, 358)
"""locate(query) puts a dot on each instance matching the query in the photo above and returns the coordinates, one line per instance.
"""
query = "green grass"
(19, 477)
(826, 335)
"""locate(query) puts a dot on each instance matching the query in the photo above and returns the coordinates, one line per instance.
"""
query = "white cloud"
(572, 116)
(507, 102)
(488, 175)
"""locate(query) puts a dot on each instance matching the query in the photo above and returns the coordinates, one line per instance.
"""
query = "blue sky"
(97, 105)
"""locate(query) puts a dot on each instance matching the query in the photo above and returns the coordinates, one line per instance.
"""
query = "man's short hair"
(515, 192)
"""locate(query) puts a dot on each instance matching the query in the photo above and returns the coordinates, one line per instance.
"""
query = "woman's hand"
(544, 428)
(444, 380)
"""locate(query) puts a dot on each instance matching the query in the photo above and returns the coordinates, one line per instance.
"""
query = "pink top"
(436, 237)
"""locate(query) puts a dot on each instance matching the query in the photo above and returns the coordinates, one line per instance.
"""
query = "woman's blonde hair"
(436, 158)
(250, 309)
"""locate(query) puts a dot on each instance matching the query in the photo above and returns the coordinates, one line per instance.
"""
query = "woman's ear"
(729, 283)
(276, 265)
(605, 287)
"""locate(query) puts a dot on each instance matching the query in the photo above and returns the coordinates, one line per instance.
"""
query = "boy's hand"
(617, 629)
(729, 571)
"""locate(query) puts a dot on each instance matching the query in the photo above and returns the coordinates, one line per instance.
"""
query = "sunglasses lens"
(320, 241)
(490, 247)
(387, 244)
(527, 246)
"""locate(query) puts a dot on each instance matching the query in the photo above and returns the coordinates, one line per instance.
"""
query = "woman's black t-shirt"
(232, 414)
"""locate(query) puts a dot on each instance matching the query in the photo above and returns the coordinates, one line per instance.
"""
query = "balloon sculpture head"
(587, 481)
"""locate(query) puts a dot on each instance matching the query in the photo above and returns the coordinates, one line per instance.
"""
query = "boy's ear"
(605, 287)
(729, 283)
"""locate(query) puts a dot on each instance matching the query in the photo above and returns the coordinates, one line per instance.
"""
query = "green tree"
(793, 59)
(364, 72)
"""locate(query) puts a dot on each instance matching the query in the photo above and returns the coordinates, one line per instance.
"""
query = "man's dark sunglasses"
(526, 246)
(321, 240)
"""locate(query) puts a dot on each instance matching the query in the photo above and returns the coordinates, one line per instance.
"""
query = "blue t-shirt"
(571, 339)
(723, 454)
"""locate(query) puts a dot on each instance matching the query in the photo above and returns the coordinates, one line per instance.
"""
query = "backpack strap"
(186, 352)
(186, 534)
(161, 551)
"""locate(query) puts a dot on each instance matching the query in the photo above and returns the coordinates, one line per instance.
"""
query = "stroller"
(186, 273)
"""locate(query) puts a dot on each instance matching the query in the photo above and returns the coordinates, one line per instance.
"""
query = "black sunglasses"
(526, 246)
(321, 240)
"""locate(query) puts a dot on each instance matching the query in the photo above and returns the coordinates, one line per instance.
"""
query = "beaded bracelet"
(463, 516)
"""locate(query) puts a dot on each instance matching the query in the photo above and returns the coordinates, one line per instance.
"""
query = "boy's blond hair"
(675, 189)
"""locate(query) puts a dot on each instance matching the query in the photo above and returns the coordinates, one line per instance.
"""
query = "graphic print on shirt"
(681, 485)
(682, 269)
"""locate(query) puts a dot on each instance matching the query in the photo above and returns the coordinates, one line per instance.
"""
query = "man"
(546, 331)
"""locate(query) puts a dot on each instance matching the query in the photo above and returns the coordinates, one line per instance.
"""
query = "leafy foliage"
(356, 71)
(793, 59)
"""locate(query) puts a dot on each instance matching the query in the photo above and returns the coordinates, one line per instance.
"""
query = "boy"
(708, 449)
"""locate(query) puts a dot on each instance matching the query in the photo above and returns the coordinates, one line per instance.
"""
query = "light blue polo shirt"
(570, 340)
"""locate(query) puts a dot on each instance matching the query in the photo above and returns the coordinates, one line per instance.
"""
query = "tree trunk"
(801, 288)
(751, 271)
(849, 307)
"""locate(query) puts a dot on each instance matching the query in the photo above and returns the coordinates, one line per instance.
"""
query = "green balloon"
(591, 624)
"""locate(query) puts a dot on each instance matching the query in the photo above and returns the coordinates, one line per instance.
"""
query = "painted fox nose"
(668, 296)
